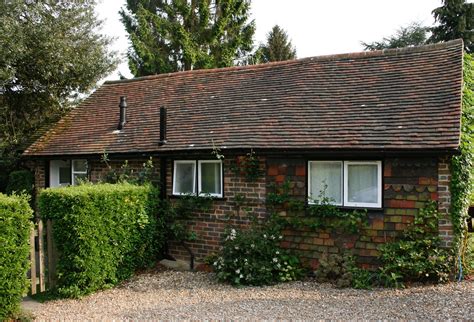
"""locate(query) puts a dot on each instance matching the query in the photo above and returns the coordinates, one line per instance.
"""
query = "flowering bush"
(254, 257)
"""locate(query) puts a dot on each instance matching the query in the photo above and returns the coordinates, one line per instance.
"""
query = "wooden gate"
(43, 264)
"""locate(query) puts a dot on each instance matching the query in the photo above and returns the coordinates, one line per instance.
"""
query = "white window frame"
(74, 172)
(344, 183)
(219, 195)
(54, 172)
(311, 201)
(176, 162)
(378, 204)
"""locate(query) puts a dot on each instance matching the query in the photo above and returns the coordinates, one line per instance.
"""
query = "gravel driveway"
(184, 295)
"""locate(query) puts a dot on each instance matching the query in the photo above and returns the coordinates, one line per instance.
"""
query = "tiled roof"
(394, 99)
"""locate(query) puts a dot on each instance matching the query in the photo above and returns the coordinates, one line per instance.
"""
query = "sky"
(315, 27)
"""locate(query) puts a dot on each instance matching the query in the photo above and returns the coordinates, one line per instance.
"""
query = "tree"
(176, 35)
(413, 35)
(455, 20)
(50, 57)
(278, 47)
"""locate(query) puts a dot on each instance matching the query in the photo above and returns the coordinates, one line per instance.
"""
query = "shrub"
(20, 181)
(254, 257)
(417, 256)
(103, 233)
(15, 224)
(343, 272)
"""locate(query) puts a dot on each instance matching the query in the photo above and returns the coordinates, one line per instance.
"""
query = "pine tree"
(278, 47)
(176, 35)
(455, 20)
(412, 35)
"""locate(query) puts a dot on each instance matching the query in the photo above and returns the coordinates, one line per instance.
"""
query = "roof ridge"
(353, 55)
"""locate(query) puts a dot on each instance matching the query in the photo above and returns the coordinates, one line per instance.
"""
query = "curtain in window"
(362, 183)
(326, 181)
(185, 173)
(211, 178)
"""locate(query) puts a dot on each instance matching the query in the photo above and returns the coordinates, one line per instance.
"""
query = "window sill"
(184, 196)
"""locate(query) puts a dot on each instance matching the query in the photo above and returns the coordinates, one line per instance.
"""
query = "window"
(66, 172)
(346, 183)
(206, 180)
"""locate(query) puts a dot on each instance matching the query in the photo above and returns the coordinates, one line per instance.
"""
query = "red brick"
(273, 170)
(280, 178)
(424, 181)
(301, 170)
(387, 171)
(377, 224)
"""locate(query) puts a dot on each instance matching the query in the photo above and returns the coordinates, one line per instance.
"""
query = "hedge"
(103, 233)
(19, 181)
(15, 225)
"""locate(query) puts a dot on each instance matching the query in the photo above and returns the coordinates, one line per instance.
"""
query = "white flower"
(237, 247)
(237, 271)
(264, 236)
(277, 252)
(215, 263)
(275, 259)
(253, 246)
(245, 259)
(280, 237)
(278, 265)
(272, 237)
(241, 276)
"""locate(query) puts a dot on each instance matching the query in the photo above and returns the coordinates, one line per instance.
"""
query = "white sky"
(315, 27)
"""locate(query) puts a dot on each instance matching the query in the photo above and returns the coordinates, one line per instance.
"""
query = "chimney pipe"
(123, 109)
(162, 125)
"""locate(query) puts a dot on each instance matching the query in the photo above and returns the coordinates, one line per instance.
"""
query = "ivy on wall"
(461, 165)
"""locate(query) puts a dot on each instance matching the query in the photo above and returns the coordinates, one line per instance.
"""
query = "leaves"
(103, 232)
(169, 36)
(278, 46)
(50, 57)
(415, 34)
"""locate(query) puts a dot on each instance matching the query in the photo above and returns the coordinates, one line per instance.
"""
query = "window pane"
(185, 173)
(362, 183)
(326, 181)
(79, 165)
(79, 177)
(64, 175)
(211, 178)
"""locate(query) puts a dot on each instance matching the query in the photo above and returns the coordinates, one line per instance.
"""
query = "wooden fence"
(43, 264)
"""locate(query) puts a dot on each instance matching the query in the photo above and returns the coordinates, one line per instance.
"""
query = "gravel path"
(184, 295)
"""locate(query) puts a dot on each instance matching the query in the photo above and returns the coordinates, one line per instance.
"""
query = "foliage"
(254, 257)
(319, 216)
(415, 34)
(103, 233)
(21, 181)
(15, 224)
(177, 212)
(343, 272)
(455, 20)
(278, 47)
(169, 36)
(126, 174)
(417, 256)
(50, 56)
(248, 167)
(462, 164)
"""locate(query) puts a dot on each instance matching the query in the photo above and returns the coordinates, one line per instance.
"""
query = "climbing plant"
(461, 165)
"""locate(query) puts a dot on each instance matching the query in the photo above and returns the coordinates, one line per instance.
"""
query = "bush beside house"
(15, 224)
(103, 233)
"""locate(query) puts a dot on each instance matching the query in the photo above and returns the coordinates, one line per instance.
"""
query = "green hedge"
(103, 233)
(15, 224)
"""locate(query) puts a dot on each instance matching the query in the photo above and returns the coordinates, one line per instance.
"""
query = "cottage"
(372, 130)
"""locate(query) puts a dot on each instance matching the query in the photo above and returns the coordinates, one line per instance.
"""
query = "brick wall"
(407, 184)
(210, 227)
(444, 202)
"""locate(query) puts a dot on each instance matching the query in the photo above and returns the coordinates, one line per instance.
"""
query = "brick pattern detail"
(210, 227)
(408, 184)
(98, 170)
(444, 202)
